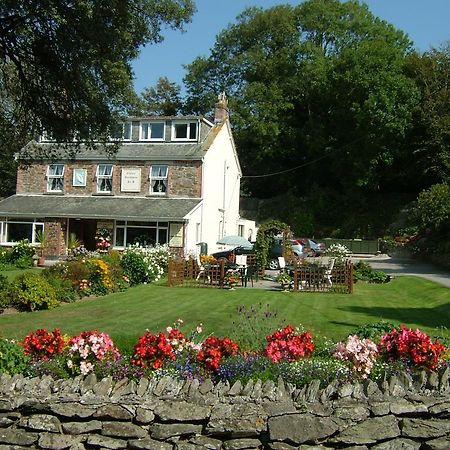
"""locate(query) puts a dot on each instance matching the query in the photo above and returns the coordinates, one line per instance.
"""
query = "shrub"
(374, 331)
(5, 298)
(363, 271)
(134, 267)
(338, 251)
(433, 206)
(12, 357)
(31, 291)
(100, 282)
(22, 250)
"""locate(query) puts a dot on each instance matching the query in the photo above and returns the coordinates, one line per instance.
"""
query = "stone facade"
(184, 178)
(403, 412)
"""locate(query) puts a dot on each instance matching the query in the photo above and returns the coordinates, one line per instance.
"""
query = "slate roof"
(97, 207)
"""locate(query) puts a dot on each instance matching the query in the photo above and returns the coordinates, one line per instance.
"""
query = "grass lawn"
(125, 315)
(11, 274)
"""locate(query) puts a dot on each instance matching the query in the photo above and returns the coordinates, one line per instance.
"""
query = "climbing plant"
(265, 239)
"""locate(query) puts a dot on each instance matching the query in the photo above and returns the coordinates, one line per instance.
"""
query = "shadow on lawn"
(428, 317)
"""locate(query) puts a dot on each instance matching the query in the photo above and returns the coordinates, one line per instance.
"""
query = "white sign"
(131, 180)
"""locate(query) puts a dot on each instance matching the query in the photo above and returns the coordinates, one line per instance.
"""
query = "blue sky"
(425, 21)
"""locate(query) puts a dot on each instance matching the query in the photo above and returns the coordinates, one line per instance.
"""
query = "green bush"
(31, 291)
(21, 250)
(375, 330)
(364, 272)
(134, 267)
(24, 262)
(12, 357)
(433, 206)
(5, 299)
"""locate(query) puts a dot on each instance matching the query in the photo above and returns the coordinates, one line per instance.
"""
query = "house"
(173, 180)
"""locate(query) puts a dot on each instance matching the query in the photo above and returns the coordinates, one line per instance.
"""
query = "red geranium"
(288, 344)
(414, 347)
(214, 349)
(42, 345)
(154, 349)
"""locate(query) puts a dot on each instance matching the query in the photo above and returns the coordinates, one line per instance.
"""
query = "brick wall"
(184, 178)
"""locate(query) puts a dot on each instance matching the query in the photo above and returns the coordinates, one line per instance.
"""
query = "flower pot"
(41, 261)
(285, 286)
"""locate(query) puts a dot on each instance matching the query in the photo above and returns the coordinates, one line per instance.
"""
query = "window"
(15, 231)
(185, 131)
(152, 131)
(79, 177)
(241, 230)
(122, 131)
(55, 178)
(158, 180)
(141, 233)
(104, 177)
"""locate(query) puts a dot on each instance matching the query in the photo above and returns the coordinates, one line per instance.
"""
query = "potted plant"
(41, 238)
(285, 280)
(232, 278)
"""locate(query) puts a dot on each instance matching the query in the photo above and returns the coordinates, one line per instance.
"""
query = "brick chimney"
(221, 108)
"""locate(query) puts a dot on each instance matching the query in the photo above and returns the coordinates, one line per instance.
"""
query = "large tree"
(164, 99)
(320, 87)
(66, 65)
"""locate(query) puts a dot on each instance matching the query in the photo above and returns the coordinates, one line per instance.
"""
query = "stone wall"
(400, 413)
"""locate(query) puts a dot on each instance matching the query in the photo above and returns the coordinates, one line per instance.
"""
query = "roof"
(129, 151)
(97, 207)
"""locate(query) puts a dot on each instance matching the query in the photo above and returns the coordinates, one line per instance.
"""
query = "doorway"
(84, 230)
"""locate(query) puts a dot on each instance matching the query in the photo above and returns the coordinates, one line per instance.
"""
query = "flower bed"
(289, 353)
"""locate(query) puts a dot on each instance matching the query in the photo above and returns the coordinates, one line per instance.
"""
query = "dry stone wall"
(403, 412)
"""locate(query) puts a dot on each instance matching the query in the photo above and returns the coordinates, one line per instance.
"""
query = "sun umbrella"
(238, 241)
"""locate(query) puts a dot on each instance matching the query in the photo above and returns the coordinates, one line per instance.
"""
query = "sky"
(425, 21)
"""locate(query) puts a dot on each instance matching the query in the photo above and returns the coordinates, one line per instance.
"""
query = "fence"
(356, 245)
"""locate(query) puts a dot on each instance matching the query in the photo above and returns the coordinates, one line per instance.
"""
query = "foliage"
(289, 344)
(433, 206)
(338, 251)
(145, 264)
(21, 251)
(414, 348)
(252, 324)
(363, 271)
(103, 240)
(374, 331)
(231, 277)
(5, 299)
(43, 345)
(12, 357)
(163, 99)
(99, 278)
(264, 240)
(87, 349)
(66, 85)
(320, 94)
(31, 291)
(283, 278)
(361, 353)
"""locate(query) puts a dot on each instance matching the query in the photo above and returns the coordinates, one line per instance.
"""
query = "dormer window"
(55, 178)
(104, 178)
(158, 180)
(122, 131)
(152, 131)
(184, 131)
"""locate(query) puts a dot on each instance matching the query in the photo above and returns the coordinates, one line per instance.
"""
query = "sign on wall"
(131, 180)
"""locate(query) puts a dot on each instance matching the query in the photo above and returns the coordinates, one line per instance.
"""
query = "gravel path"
(407, 266)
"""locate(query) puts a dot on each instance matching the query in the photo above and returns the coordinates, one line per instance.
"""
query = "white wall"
(221, 188)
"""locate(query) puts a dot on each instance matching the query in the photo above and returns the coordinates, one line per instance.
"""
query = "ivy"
(265, 240)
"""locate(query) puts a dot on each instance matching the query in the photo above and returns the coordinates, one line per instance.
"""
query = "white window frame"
(101, 177)
(129, 224)
(4, 230)
(79, 177)
(188, 130)
(55, 176)
(164, 178)
(149, 134)
(125, 137)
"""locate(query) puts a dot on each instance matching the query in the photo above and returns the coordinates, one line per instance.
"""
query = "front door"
(84, 230)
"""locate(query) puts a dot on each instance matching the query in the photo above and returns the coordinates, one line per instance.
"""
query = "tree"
(318, 93)
(163, 99)
(66, 65)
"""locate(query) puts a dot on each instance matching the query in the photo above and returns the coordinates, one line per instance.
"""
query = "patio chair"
(328, 271)
(202, 270)
(250, 274)
(281, 263)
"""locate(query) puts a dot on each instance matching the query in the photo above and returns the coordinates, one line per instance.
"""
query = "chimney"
(221, 108)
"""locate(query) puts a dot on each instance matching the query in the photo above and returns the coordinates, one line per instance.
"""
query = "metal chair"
(328, 272)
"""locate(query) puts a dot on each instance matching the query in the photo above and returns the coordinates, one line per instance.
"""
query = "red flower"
(153, 350)
(214, 349)
(286, 344)
(42, 345)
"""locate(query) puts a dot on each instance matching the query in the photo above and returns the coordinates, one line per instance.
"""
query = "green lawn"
(11, 274)
(410, 300)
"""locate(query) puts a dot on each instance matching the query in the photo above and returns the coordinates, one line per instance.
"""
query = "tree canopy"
(318, 92)
(65, 66)
(164, 99)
